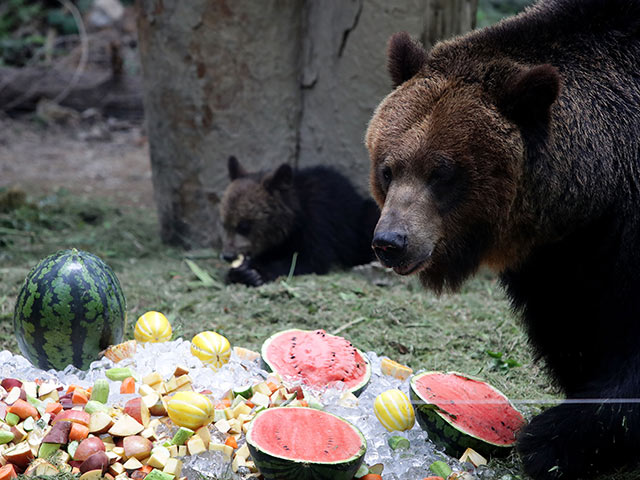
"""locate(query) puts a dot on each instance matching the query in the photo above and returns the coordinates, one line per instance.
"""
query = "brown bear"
(299, 221)
(518, 147)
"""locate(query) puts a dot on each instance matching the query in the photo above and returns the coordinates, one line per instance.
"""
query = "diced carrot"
(223, 403)
(146, 468)
(89, 390)
(249, 403)
(23, 409)
(231, 441)
(128, 385)
(303, 403)
(78, 432)
(53, 408)
(272, 386)
(8, 472)
(79, 397)
(371, 476)
(433, 478)
(71, 388)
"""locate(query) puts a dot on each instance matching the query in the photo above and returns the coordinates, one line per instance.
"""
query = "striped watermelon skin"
(70, 308)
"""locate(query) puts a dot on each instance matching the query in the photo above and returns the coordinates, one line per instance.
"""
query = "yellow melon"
(212, 348)
(394, 410)
(152, 327)
(190, 409)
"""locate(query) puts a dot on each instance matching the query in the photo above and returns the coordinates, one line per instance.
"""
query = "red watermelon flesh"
(473, 405)
(306, 435)
(317, 358)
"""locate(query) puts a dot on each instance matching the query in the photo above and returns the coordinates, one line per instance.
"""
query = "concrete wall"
(268, 81)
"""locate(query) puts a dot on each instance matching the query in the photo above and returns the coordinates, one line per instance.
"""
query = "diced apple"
(13, 395)
(223, 425)
(20, 455)
(180, 371)
(126, 426)
(243, 451)
(205, 434)
(173, 466)
(76, 416)
(40, 466)
(236, 463)
(171, 384)
(100, 422)
(221, 447)
(195, 445)
(145, 389)
(183, 380)
(88, 447)
(137, 409)
(9, 383)
(159, 408)
(116, 469)
(18, 433)
(91, 475)
(132, 464)
(159, 457)
(137, 446)
(97, 461)
(152, 378)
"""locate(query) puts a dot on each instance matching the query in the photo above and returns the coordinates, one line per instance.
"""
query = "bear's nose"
(389, 247)
(228, 256)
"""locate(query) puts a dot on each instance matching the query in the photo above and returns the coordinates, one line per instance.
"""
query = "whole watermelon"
(70, 308)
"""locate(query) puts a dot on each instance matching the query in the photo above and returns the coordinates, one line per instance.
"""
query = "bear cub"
(308, 219)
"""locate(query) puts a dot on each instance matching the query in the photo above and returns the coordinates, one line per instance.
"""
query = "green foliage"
(491, 11)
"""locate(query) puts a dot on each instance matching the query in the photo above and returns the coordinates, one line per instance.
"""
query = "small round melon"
(212, 348)
(190, 409)
(152, 327)
(394, 410)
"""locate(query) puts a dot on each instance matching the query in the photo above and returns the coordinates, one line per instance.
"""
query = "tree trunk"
(269, 82)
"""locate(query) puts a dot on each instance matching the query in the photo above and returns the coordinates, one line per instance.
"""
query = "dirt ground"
(92, 157)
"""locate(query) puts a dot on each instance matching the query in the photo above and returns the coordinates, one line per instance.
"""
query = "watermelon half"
(299, 443)
(460, 412)
(317, 359)
(70, 308)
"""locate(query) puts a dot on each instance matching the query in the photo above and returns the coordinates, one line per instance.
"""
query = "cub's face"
(445, 168)
(255, 211)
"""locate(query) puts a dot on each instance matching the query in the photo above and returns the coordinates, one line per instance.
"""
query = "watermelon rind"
(268, 366)
(276, 467)
(70, 308)
(443, 430)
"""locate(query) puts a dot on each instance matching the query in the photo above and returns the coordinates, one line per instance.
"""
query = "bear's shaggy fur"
(518, 147)
(315, 212)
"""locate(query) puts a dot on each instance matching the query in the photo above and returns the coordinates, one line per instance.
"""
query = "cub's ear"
(235, 169)
(527, 96)
(405, 58)
(281, 179)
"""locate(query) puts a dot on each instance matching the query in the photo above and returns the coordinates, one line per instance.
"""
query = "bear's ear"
(405, 58)
(281, 179)
(235, 169)
(527, 96)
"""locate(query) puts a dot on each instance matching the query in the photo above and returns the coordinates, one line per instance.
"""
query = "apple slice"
(100, 422)
(137, 446)
(76, 416)
(19, 455)
(137, 409)
(97, 461)
(126, 426)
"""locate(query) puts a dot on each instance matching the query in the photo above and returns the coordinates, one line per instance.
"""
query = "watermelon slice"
(287, 443)
(460, 412)
(317, 359)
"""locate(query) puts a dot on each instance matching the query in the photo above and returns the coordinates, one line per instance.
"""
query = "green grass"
(472, 331)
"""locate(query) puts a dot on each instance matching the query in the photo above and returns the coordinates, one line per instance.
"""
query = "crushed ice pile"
(408, 464)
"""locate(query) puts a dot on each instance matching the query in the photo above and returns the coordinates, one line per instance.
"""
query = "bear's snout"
(390, 247)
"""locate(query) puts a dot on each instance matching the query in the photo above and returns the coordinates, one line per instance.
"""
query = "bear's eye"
(387, 175)
(243, 227)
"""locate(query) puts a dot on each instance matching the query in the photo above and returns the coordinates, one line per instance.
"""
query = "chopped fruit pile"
(47, 428)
